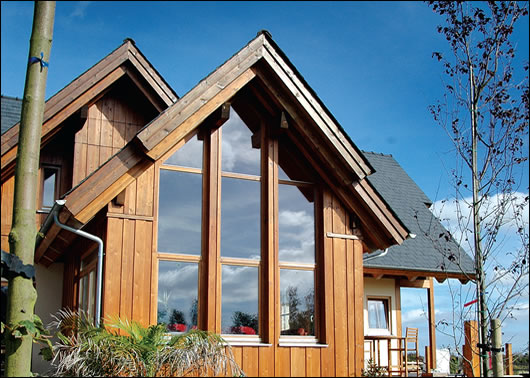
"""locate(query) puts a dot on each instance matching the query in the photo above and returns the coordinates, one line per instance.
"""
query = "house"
(241, 208)
(430, 254)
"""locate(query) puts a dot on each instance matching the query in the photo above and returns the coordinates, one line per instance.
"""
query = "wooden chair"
(403, 348)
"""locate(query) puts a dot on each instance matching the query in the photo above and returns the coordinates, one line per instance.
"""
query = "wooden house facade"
(242, 208)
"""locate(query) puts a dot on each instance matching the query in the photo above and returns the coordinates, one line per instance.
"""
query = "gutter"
(383, 253)
(57, 206)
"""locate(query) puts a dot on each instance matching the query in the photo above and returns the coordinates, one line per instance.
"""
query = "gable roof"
(10, 112)
(260, 64)
(429, 251)
(127, 60)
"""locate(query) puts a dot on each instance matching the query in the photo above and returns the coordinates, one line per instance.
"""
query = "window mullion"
(209, 276)
(269, 285)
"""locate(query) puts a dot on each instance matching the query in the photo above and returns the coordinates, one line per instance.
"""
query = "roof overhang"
(260, 64)
(127, 60)
(417, 275)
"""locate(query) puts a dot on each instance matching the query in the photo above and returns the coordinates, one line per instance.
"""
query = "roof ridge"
(12, 97)
(376, 153)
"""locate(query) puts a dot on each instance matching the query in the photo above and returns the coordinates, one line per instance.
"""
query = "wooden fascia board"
(153, 96)
(104, 71)
(351, 157)
(182, 126)
(398, 273)
(380, 209)
(50, 126)
(151, 75)
(301, 121)
(170, 119)
(112, 175)
(70, 93)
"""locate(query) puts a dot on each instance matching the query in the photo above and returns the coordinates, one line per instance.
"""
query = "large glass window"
(234, 191)
(177, 295)
(240, 228)
(179, 237)
(296, 239)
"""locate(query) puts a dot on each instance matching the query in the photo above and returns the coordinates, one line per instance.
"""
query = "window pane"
(297, 302)
(240, 218)
(377, 314)
(237, 152)
(48, 192)
(189, 155)
(296, 225)
(177, 295)
(179, 212)
(239, 303)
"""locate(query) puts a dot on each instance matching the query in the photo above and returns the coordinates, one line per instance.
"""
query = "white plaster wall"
(384, 287)
(49, 300)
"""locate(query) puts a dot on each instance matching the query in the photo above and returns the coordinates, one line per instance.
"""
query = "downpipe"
(99, 283)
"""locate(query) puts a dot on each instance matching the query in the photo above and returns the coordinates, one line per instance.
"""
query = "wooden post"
(471, 354)
(432, 323)
(428, 365)
(508, 359)
(498, 370)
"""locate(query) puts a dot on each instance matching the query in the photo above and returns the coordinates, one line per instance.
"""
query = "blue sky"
(369, 62)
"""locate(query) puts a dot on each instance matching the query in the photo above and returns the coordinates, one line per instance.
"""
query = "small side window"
(50, 186)
(378, 314)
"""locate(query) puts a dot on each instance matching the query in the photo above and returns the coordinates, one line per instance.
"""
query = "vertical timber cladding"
(110, 123)
(128, 271)
(344, 313)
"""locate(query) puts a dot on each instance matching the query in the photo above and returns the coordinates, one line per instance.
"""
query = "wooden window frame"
(178, 257)
(210, 260)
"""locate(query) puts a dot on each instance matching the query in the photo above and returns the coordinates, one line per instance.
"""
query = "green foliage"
(242, 319)
(123, 348)
(177, 317)
(34, 328)
(373, 370)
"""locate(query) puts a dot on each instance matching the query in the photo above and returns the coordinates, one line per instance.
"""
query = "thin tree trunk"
(481, 282)
(21, 293)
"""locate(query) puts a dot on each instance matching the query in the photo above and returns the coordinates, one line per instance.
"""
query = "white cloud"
(236, 150)
(80, 9)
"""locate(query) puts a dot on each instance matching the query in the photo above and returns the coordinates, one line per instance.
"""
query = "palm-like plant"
(123, 348)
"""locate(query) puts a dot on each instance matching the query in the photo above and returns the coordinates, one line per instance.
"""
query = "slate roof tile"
(427, 251)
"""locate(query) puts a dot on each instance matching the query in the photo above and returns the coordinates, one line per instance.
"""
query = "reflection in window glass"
(377, 313)
(48, 190)
(177, 295)
(240, 218)
(296, 224)
(189, 155)
(179, 212)
(239, 303)
(297, 302)
(237, 152)
(87, 284)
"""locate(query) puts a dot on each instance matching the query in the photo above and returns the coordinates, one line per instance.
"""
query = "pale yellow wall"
(49, 300)
(385, 288)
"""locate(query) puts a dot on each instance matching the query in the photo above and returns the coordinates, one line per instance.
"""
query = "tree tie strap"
(34, 59)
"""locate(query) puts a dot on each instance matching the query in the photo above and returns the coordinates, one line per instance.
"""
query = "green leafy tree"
(177, 317)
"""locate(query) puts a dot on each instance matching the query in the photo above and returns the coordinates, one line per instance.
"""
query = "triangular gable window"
(252, 218)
